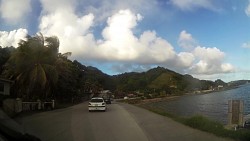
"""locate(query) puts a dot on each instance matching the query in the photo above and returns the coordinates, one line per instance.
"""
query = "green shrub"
(204, 124)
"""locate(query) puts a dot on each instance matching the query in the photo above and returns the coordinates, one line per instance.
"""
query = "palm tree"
(32, 65)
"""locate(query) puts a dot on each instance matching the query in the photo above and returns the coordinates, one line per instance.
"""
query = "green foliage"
(98, 78)
(158, 80)
(162, 81)
(159, 111)
(4, 56)
(31, 65)
(220, 82)
(216, 128)
(204, 124)
(68, 80)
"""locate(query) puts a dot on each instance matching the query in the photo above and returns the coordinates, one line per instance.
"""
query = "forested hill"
(154, 80)
(161, 79)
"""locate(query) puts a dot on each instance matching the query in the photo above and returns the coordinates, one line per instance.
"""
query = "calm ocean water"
(212, 105)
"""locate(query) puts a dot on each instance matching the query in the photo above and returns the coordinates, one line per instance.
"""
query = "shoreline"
(199, 122)
(174, 97)
(204, 124)
(153, 100)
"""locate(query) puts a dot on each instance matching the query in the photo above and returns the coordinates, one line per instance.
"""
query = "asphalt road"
(121, 122)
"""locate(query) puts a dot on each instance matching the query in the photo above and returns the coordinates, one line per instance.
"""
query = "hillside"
(161, 79)
(156, 80)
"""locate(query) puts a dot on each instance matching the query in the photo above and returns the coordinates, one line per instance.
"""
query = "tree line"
(39, 71)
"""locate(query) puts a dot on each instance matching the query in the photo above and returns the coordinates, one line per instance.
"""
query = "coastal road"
(121, 122)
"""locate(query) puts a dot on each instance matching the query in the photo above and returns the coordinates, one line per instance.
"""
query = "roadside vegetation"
(39, 71)
(202, 123)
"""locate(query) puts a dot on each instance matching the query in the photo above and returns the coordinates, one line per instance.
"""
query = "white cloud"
(12, 38)
(210, 61)
(73, 31)
(118, 43)
(247, 10)
(246, 45)
(120, 25)
(13, 11)
(203, 60)
(209, 54)
(227, 67)
(192, 4)
(186, 40)
(185, 59)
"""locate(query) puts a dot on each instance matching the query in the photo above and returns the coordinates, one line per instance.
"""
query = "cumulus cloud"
(155, 49)
(202, 60)
(185, 60)
(247, 10)
(210, 61)
(72, 30)
(211, 54)
(186, 40)
(119, 45)
(118, 39)
(12, 38)
(187, 5)
(118, 42)
(13, 11)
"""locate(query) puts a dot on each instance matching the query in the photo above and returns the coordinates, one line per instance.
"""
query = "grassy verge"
(204, 124)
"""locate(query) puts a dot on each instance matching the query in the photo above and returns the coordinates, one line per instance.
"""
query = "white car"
(97, 103)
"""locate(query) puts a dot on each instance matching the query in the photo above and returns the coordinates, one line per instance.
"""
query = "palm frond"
(51, 73)
(33, 64)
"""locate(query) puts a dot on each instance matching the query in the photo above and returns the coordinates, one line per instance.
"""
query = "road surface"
(121, 122)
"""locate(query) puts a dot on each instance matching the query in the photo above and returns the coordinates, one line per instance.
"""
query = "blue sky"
(208, 39)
